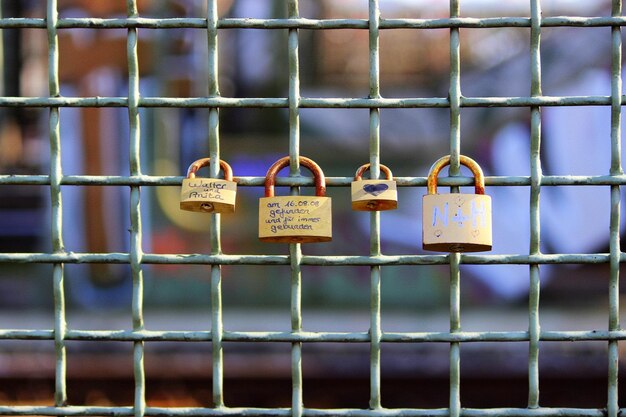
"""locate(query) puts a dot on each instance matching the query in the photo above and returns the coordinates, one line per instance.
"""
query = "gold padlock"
(208, 195)
(295, 219)
(456, 222)
(374, 195)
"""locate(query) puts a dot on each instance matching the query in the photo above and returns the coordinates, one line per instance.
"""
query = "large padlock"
(208, 195)
(456, 222)
(374, 195)
(295, 219)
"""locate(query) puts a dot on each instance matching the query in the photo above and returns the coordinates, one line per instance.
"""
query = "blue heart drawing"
(375, 189)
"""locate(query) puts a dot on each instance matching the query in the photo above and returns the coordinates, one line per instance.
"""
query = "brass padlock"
(208, 195)
(456, 222)
(295, 219)
(374, 195)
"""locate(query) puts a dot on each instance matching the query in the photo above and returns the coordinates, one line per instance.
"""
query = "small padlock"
(208, 195)
(374, 195)
(456, 222)
(295, 219)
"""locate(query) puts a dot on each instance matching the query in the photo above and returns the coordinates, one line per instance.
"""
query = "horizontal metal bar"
(148, 180)
(313, 24)
(354, 260)
(312, 337)
(533, 412)
(63, 102)
(26, 410)
(518, 336)
(465, 259)
(499, 22)
(307, 102)
(439, 102)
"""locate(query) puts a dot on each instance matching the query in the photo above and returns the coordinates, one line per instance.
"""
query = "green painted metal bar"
(56, 202)
(284, 412)
(217, 322)
(454, 96)
(535, 222)
(314, 24)
(375, 245)
(307, 102)
(375, 249)
(146, 180)
(455, 327)
(315, 337)
(294, 98)
(454, 93)
(615, 220)
(136, 251)
(319, 260)
(216, 314)
(295, 257)
(295, 249)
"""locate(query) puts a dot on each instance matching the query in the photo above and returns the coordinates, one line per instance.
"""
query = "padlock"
(295, 219)
(208, 195)
(456, 222)
(374, 195)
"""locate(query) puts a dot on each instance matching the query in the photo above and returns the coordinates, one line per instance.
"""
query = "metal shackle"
(363, 168)
(479, 178)
(320, 180)
(204, 162)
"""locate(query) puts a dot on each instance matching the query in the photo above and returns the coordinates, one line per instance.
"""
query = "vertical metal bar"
(295, 250)
(136, 252)
(217, 326)
(295, 254)
(454, 94)
(294, 93)
(455, 258)
(56, 175)
(615, 220)
(455, 326)
(374, 156)
(217, 330)
(535, 189)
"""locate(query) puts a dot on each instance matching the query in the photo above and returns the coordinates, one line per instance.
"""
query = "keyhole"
(206, 206)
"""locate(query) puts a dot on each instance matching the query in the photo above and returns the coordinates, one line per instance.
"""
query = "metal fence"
(295, 259)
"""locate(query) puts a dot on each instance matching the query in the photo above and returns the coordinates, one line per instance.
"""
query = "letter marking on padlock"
(456, 222)
(442, 215)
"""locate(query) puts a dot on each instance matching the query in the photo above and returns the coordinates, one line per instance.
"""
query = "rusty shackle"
(318, 175)
(363, 168)
(479, 178)
(204, 162)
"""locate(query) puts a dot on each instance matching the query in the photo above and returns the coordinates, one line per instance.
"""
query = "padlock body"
(374, 195)
(208, 195)
(456, 222)
(295, 219)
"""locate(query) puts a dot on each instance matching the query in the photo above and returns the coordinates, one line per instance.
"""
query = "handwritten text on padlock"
(283, 215)
(198, 191)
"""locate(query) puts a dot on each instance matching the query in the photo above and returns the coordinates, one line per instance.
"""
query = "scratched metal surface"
(297, 336)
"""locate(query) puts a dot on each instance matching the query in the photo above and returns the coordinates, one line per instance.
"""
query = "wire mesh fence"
(376, 338)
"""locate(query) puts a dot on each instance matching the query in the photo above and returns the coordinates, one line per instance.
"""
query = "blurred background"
(333, 63)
